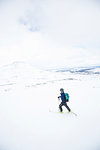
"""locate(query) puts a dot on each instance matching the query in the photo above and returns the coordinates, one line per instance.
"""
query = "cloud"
(70, 23)
(73, 22)
(50, 33)
(30, 21)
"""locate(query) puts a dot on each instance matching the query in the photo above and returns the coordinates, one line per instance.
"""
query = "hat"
(62, 90)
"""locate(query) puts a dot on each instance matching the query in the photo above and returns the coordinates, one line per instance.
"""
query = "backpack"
(67, 97)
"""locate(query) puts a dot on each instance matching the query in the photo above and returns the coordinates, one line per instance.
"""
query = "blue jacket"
(63, 98)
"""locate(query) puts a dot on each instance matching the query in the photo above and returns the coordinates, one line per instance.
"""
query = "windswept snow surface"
(26, 97)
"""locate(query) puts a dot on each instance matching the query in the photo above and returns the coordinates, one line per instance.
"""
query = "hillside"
(26, 97)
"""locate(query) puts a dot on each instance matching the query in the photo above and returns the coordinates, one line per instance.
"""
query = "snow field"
(27, 124)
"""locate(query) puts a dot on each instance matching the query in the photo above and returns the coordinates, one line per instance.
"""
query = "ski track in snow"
(26, 97)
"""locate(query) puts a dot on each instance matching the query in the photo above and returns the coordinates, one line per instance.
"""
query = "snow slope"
(27, 95)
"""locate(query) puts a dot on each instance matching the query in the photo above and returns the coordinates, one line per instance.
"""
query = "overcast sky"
(50, 33)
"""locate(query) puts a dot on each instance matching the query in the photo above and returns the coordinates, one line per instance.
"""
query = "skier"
(63, 101)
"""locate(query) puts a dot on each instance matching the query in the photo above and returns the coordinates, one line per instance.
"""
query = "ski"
(54, 111)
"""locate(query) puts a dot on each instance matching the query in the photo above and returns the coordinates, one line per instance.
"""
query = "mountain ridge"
(82, 70)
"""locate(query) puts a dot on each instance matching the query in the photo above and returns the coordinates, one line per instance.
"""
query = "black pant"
(63, 104)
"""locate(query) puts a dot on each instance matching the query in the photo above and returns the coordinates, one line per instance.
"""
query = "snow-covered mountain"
(25, 75)
(82, 70)
(28, 94)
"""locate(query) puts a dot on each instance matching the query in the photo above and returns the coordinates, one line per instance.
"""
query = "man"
(63, 101)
